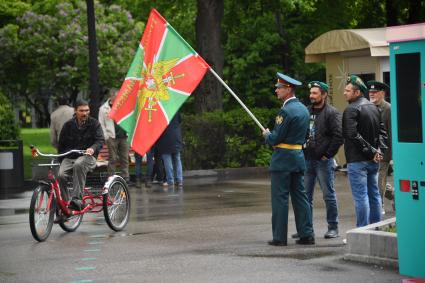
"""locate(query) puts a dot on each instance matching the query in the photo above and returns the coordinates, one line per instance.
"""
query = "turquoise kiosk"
(407, 79)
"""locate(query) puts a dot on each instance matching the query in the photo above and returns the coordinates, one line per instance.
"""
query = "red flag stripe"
(153, 36)
(188, 84)
(146, 131)
(126, 98)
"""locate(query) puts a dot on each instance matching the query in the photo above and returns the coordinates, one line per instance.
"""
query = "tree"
(93, 62)
(208, 96)
(8, 128)
(47, 56)
(11, 9)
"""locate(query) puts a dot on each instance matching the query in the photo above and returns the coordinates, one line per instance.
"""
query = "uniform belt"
(288, 146)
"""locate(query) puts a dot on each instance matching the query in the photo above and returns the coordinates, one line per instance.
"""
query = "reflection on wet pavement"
(158, 203)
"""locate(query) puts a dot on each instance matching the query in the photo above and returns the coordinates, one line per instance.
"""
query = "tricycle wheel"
(116, 205)
(42, 212)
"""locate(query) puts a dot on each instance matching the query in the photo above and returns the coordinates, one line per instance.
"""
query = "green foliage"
(8, 128)
(225, 139)
(46, 53)
(180, 14)
(264, 155)
(11, 9)
(271, 36)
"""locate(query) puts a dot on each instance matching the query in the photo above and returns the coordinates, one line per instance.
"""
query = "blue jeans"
(168, 160)
(324, 172)
(149, 165)
(363, 178)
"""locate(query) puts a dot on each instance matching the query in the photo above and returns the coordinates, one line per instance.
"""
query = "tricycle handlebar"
(36, 152)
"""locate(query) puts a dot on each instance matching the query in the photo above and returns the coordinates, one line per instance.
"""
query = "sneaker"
(389, 192)
(295, 236)
(332, 233)
(180, 185)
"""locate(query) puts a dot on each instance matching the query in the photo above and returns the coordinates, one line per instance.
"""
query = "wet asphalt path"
(203, 233)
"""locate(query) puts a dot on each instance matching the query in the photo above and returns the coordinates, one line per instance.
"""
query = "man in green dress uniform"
(287, 165)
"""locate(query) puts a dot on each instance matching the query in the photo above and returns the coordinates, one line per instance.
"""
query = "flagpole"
(237, 98)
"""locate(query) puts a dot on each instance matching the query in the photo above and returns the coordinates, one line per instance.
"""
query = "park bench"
(103, 157)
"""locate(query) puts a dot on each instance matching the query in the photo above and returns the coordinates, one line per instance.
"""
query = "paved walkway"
(213, 230)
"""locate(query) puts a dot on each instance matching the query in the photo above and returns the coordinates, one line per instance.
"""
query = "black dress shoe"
(61, 218)
(277, 243)
(332, 233)
(306, 241)
(76, 204)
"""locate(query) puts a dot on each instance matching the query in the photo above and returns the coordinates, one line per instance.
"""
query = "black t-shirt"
(314, 112)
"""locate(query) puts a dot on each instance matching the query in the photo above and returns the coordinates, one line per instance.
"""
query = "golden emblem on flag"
(154, 84)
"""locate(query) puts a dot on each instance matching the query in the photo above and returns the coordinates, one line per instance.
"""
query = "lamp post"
(93, 64)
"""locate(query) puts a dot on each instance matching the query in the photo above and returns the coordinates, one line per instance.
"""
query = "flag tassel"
(237, 98)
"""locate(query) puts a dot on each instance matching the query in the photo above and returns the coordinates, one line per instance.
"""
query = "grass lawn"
(41, 139)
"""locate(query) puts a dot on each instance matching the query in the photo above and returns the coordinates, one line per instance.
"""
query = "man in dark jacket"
(323, 143)
(85, 133)
(365, 140)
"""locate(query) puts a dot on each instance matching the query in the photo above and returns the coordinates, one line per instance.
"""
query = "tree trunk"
(74, 95)
(208, 95)
(391, 8)
(416, 9)
(284, 47)
(93, 65)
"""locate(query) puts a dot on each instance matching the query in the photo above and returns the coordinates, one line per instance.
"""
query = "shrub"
(9, 130)
(225, 139)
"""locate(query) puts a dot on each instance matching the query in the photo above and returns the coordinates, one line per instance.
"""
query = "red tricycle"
(47, 201)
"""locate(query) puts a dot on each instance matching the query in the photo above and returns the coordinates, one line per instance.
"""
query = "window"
(409, 108)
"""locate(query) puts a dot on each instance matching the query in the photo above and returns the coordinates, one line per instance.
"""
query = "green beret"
(377, 86)
(318, 84)
(355, 80)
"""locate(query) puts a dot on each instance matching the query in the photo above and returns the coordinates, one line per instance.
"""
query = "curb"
(368, 245)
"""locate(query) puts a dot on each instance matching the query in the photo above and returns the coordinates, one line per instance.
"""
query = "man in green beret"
(324, 140)
(287, 165)
(365, 139)
(377, 91)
